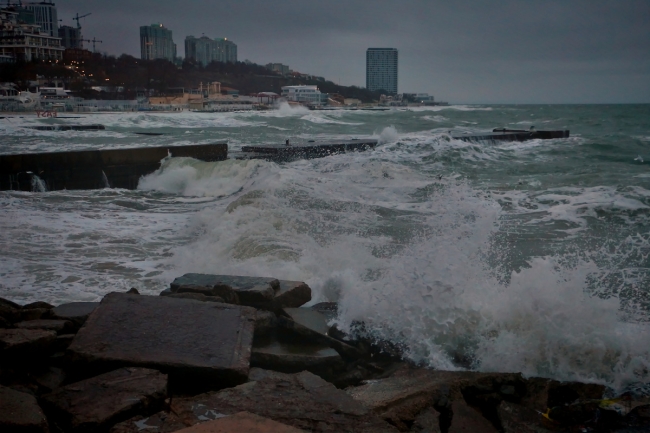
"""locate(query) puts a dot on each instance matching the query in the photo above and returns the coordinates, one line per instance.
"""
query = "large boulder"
(20, 412)
(99, 402)
(302, 400)
(58, 326)
(258, 292)
(206, 344)
(161, 422)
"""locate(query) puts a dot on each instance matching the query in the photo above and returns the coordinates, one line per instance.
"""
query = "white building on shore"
(308, 95)
(26, 42)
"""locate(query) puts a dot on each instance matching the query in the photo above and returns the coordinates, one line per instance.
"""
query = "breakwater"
(219, 352)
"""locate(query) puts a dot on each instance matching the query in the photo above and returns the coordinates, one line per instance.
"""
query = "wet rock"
(291, 294)
(466, 419)
(161, 422)
(133, 291)
(639, 417)
(20, 412)
(206, 344)
(196, 297)
(294, 358)
(563, 393)
(76, 312)
(20, 343)
(401, 397)
(243, 422)
(258, 292)
(166, 292)
(515, 418)
(38, 304)
(302, 400)
(574, 414)
(4, 323)
(101, 401)
(312, 325)
(58, 326)
(427, 421)
(265, 323)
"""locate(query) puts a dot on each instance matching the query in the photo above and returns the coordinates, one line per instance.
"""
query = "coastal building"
(25, 42)
(308, 95)
(278, 68)
(45, 16)
(70, 37)
(381, 70)
(156, 42)
(204, 50)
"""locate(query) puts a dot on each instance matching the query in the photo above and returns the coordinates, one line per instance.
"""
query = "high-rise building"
(204, 50)
(20, 41)
(45, 16)
(156, 43)
(381, 70)
(70, 37)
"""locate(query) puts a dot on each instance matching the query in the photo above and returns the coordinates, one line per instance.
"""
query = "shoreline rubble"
(218, 353)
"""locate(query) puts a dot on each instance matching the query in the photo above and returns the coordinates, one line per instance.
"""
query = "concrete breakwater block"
(75, 312)
(302, 400)
(93, 127)
(21, 343)
(20, 412)
(204, 343)
(294, 358)
(99, 402)
(258, 292)
(242, 422)
(304, 150)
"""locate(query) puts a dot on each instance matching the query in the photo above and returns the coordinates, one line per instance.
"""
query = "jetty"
(123, 168)
(95, 169)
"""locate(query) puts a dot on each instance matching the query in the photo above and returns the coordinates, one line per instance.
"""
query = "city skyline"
(467, 52)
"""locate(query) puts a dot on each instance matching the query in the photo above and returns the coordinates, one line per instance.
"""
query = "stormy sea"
(529, 257)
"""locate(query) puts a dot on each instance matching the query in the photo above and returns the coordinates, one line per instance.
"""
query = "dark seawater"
(531, 257)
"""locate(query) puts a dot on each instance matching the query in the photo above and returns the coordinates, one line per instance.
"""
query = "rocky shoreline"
(219, 353)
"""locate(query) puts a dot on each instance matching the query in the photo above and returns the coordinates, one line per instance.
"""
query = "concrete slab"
(101, 401)
(206, 343)
(20, 412)
(292, 294)
(302, 400)
(242, 422)
(467, 419)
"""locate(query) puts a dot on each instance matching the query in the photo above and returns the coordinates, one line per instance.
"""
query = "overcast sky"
(462, 51)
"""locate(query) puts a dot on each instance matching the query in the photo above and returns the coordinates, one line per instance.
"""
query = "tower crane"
(77, 18)
(93, 40)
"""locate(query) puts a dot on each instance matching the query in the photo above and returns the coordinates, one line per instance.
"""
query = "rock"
(206, 344)
(9, 313)
(49, 378)
(515, 418)
(133, 291)
(20, 412)
(265, 323)
(562, 393)
(38, 304)
(574, 414)
(468, 420)
(76, 312)
(427, 421)
(58, 326)
(63, 341)
(258, 292)
(292, 294)
(33, 313)
(161, 422)
(196, 297)
(19, 343)
(294, 358)
(9, 304)
(4, 323)
(242, 422)
(639, 417)
(401, 397)
(302, 400)
(166, 292)
(101, 401)
(312, 325)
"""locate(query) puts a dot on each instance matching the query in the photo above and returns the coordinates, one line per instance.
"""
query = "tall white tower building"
(381, 69)
(45, 16)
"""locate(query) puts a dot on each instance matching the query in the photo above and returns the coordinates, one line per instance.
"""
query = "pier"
(303, 150)
(95, 169)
